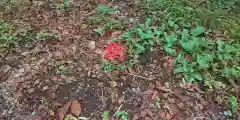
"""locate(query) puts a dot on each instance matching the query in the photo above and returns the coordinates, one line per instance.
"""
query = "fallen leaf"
(180, 94)
(45, 88)
(130, 70)
(150, 113)
(51, 113)
(38, 118)
(168, 116)
(162, 115)
(64, 110)
(75, 108)
(147, 118)
(155, 95)
(121, 99)
(113, 84)
(143, 113)
(135, 117)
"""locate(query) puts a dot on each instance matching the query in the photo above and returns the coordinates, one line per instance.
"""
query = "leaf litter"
(33, 81)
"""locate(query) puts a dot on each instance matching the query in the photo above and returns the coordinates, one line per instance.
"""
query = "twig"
(104, 105)
(138, 76)
(91, 13)
(90, 67)
(118, 110)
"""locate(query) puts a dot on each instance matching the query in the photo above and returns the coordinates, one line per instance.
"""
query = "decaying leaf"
(64, 110)
(121, 99)
(75, 108)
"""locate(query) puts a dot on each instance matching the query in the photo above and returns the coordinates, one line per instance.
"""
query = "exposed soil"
(31, 89)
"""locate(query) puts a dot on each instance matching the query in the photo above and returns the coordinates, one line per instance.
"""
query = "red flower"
(114, 51)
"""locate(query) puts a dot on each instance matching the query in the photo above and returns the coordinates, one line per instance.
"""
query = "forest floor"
(53, 69)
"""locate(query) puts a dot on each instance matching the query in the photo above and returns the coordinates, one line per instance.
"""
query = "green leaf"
(197, 76)
(148, 23)
(169, 50)
(145, 35)
(104, 9)
(233, 104)
(105, 113)
(188, 78)
(171, 23)
(178, 70)
(100, 31)
(157, 102)
(204, 60)
(185, 35)
(198, 31)
(188, 46)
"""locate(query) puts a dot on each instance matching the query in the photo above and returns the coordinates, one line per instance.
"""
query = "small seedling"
(105, 115)
(7, 37)
(157, 101)
(61, 69)
(233, 105)
(122, 114)
(105, 10)
(63, 5)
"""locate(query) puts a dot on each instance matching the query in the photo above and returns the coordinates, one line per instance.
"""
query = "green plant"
(63, 5)
(46, 36)
(157, 101)
(7, 35)
(107, 23)
(232, 100)
(105, 10)
(122, 114)
(189, 72)
(105, 115)
(61, 69)
(212, 83)
(14, 34)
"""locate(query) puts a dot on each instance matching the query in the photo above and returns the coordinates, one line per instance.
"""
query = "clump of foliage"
(105, 115)
(232, 100)
(14, 34)
(104, 20)
(122, 115)
(7, 35)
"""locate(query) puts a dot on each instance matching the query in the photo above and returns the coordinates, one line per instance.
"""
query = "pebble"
(45, 88)
(31, 90)
(10, 112)
(91, 45)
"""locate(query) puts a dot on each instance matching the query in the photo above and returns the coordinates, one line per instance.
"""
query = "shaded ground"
(40, 78)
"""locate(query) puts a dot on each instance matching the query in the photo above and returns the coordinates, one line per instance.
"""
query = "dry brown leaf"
(75, 108)
(168, 116)
(130, 70)
(64, 110)
(51, 113)
(143, 113)
(135, 117)
(162, 115)
(180, 94)
(121, 99)
(150, 113)
(155, 95)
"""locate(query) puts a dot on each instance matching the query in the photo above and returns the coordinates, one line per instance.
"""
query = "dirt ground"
(31, 89)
